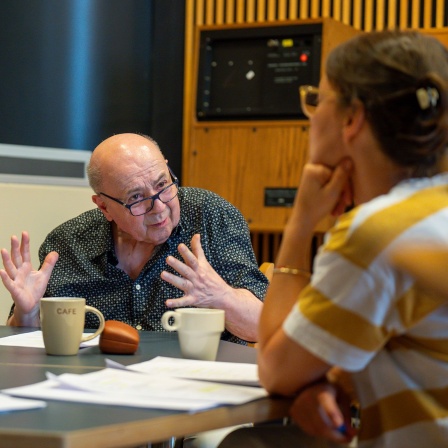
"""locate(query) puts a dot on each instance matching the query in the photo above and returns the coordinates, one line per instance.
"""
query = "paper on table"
(222, 372)
(35, 339)
(127, 388)
(129, 382)
(52, 390)
(9, 404)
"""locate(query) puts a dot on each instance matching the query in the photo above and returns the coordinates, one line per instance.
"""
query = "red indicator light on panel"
(303, 57)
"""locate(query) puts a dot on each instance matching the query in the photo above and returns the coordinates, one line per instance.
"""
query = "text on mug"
(66, 310)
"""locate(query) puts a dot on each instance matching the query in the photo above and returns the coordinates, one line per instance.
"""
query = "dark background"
(74, 72)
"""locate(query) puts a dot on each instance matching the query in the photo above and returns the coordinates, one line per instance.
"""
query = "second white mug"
(199, 331)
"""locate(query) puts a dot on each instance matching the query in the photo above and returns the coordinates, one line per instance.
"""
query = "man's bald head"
(108, 155)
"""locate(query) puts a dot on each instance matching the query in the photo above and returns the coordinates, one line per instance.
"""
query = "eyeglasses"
(309, 99)
(145, 205)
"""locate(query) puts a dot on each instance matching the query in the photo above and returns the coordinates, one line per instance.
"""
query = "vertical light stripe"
(368, 16)
(281, 10)
(392, 15)
(415, 14)
(219, 12)
(261, 10)
(380, 15)
(250, 11)
(293, 10)
(326, 8)
(199, 12)
(404, 14)
(314, 8)
(271, 10)
(79, 78)
(230, 11)
(346, 12)
(240, 11)
(427, 14)
(337, 10)
(303, 9)
(440, 13)
(357, 18)
(210, 12)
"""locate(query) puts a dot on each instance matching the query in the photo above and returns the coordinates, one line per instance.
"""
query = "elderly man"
(149, 246)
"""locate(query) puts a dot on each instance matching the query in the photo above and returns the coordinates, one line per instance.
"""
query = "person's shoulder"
(200, 205)
(202, 196)
(85, 222)
(396, 202)
(371, 226)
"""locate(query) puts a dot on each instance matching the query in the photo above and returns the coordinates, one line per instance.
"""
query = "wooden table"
(73, 425)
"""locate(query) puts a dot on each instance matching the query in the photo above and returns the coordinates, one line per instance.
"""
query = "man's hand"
(201, 284)
(25, 285)
(203, 287)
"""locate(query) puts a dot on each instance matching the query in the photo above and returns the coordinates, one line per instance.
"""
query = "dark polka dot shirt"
(87, 261)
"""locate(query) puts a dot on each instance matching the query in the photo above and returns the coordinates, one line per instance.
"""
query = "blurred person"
(378, 135)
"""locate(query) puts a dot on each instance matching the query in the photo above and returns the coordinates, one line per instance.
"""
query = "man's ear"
(354, 120)
(96, 199)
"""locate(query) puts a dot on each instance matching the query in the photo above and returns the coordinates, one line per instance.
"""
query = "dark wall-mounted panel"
(255, 73)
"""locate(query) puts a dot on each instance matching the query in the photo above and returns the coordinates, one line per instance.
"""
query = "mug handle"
(91, 309)
(176, 320)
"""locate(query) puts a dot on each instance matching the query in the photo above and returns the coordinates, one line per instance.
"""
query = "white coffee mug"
(199, 331)
(62, 322)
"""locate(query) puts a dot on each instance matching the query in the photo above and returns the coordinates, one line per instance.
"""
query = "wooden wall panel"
(243, 162)
(365, 15)
(392, 14)
(238, 160)
(442, 13)
(415, 14)
(439, 33)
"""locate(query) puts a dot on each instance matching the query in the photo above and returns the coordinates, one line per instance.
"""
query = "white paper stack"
(162, 383)
(10, 404)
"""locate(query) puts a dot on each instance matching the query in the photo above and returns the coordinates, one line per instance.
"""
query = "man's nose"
(158, 205)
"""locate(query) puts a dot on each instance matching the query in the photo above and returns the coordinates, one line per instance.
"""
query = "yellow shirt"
(362, 314)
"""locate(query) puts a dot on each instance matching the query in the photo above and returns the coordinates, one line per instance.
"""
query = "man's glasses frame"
(153, 198)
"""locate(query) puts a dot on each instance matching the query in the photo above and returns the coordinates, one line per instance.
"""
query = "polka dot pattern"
(87, 261)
